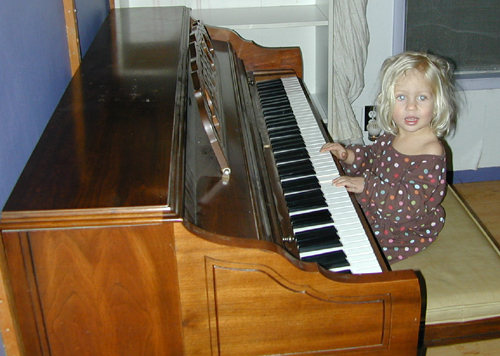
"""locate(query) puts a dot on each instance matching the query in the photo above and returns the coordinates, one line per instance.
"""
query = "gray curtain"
(350, 48)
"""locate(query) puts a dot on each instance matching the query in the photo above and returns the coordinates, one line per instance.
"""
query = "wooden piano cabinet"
(256, 300)
(95, 291)
(99, 256)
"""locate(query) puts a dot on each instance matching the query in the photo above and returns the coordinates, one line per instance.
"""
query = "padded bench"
(460, 280)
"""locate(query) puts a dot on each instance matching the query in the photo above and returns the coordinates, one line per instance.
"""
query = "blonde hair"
(438, 72)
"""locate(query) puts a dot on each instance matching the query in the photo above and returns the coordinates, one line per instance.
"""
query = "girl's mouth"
(411, 120)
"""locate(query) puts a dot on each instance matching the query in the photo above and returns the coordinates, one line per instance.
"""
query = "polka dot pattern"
(402, 196)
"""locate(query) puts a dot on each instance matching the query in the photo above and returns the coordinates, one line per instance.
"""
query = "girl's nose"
(411, 105)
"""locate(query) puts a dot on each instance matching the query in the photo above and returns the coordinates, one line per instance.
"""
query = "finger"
(326, 147)
(340, 182)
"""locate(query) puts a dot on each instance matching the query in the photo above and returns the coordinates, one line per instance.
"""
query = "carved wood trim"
(257, 57)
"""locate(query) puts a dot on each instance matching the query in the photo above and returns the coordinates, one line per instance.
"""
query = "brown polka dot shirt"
(401, 197)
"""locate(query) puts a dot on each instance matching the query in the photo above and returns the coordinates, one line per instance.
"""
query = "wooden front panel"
(275, 315)
(253, 299)
(96, 291)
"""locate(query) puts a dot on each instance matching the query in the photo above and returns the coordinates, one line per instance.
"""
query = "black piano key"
(314, 196)
(298, 165)
(275, 130)
(313, 218)
(311, 199)
(277, 111)
(300, 184)
(279, 95)
(326, 232)
(296, 169)
(303, 205)
(303, 172)
(280, 99)
(265, 89)
(305, 195)
(270, 94)
(280, 125)
(280, 120)
(317, 193)
(270, 82)
(287, 144)
(290, 136)
(284, 132)
(270, 85)
(329, 260)
(274, 105)
(318, 244)
(271, 91)
(318, 239)
(291, 155)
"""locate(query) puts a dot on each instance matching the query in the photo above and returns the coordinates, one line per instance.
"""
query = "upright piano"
(177, 204)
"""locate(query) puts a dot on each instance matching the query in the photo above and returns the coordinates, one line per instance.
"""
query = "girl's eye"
(400, 97)
(422, 97)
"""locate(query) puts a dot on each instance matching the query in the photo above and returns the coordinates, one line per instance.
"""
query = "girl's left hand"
(352, 184)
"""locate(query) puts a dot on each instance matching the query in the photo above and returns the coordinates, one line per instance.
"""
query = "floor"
(483, 348)
(483, 198)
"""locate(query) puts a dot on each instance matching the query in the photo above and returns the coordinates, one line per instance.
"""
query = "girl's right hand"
(337, 149)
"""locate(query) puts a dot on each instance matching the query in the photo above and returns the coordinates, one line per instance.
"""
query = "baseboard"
(479, 175)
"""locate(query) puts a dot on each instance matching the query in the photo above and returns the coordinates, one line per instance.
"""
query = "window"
(466, 32)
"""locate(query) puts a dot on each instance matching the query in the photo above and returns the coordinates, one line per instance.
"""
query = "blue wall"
(90, 14)
(34, 72)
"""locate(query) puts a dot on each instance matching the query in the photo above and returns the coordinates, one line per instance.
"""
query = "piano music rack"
(205, 80)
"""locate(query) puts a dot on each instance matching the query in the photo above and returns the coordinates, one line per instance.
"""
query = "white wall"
(474, 144)
(211, 4)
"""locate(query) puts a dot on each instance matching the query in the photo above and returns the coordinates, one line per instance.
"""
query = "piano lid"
(112, 144)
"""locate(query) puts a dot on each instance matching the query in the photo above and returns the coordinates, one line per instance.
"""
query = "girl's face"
(414, 103)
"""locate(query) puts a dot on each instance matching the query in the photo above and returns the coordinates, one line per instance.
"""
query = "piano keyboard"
(325, 223)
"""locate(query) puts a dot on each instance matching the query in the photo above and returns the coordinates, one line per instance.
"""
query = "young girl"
(399, 181)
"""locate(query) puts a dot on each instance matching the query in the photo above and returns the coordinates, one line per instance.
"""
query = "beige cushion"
(461, 269)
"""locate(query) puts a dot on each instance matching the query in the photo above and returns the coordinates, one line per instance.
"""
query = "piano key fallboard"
(325, 224)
